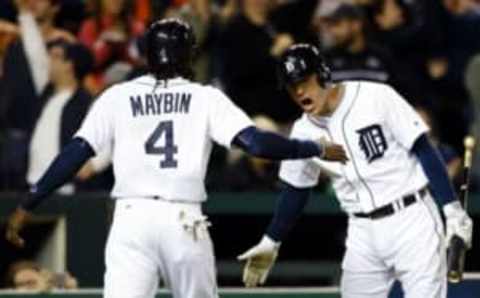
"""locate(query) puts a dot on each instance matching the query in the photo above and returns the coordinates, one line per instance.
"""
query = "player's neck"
(334, 96)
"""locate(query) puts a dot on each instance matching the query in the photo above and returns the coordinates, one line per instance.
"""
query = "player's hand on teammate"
(458, 223)
(333, 152)
(16, 222)
(259, 261)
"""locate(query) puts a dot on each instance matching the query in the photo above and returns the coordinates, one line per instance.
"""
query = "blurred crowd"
(57, 55)
(28, 276)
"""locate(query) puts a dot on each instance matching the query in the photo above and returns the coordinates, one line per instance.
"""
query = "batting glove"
(458, 223)
(260, 260)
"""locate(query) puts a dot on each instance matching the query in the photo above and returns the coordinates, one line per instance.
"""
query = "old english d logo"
(372, 142)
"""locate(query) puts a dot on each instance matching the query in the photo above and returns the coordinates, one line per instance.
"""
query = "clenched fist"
(458, 223)
(332, 151)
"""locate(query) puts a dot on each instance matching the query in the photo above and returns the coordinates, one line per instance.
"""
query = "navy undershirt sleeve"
(289, 207)
(62, 169)
(435, 170)
(273, 146)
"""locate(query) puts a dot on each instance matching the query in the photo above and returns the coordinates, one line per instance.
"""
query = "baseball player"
(387, 188)
(161, 128)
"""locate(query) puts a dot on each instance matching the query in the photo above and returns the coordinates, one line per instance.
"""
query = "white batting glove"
(260, 260)
(458, 223)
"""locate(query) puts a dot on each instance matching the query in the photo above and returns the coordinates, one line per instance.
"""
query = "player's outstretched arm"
(458, 221)
(273, 146)
(62, 169)
(261, 257)
(290, 204)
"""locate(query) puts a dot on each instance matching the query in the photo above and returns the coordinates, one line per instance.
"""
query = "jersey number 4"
(169, 150)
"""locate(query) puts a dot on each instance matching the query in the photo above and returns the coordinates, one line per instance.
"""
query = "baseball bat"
(458, 248)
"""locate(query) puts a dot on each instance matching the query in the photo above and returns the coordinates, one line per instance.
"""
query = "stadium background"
(428, 49)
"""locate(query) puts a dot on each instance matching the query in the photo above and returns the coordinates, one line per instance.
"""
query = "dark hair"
(79, 55)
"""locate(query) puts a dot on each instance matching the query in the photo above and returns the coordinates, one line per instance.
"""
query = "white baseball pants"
(408, 246)
(154, 239)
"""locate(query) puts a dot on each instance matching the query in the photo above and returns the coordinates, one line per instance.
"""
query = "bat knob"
(469, 142)
(454, 277)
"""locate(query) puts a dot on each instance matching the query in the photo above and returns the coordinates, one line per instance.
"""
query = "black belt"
(390, 209)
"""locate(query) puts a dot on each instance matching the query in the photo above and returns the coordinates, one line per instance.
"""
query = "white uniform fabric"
(161, 138)
(153, 239)
(408, 246)
(378, 128)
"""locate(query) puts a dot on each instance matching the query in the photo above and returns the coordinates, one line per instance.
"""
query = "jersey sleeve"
(97, 127)
(403, 121)
(226, 120)
(300, 173)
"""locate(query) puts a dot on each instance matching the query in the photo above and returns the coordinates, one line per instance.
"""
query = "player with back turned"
(161, 127)
(387, 188)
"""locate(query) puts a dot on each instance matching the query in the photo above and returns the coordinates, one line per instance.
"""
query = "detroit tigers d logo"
(372, 142)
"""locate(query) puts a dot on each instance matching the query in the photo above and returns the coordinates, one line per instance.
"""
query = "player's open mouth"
(307, 104)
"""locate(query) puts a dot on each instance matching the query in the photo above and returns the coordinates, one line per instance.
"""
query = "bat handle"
(456, 259)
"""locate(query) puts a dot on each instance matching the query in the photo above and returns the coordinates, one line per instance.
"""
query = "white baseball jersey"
(162, 137)
(377, 128)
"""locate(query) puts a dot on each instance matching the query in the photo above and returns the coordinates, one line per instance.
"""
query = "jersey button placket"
(343, 168)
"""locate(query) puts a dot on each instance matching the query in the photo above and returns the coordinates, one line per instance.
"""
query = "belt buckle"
(397, 205)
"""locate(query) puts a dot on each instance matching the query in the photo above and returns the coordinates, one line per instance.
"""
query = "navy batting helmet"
(300, 61)
(170, 46)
